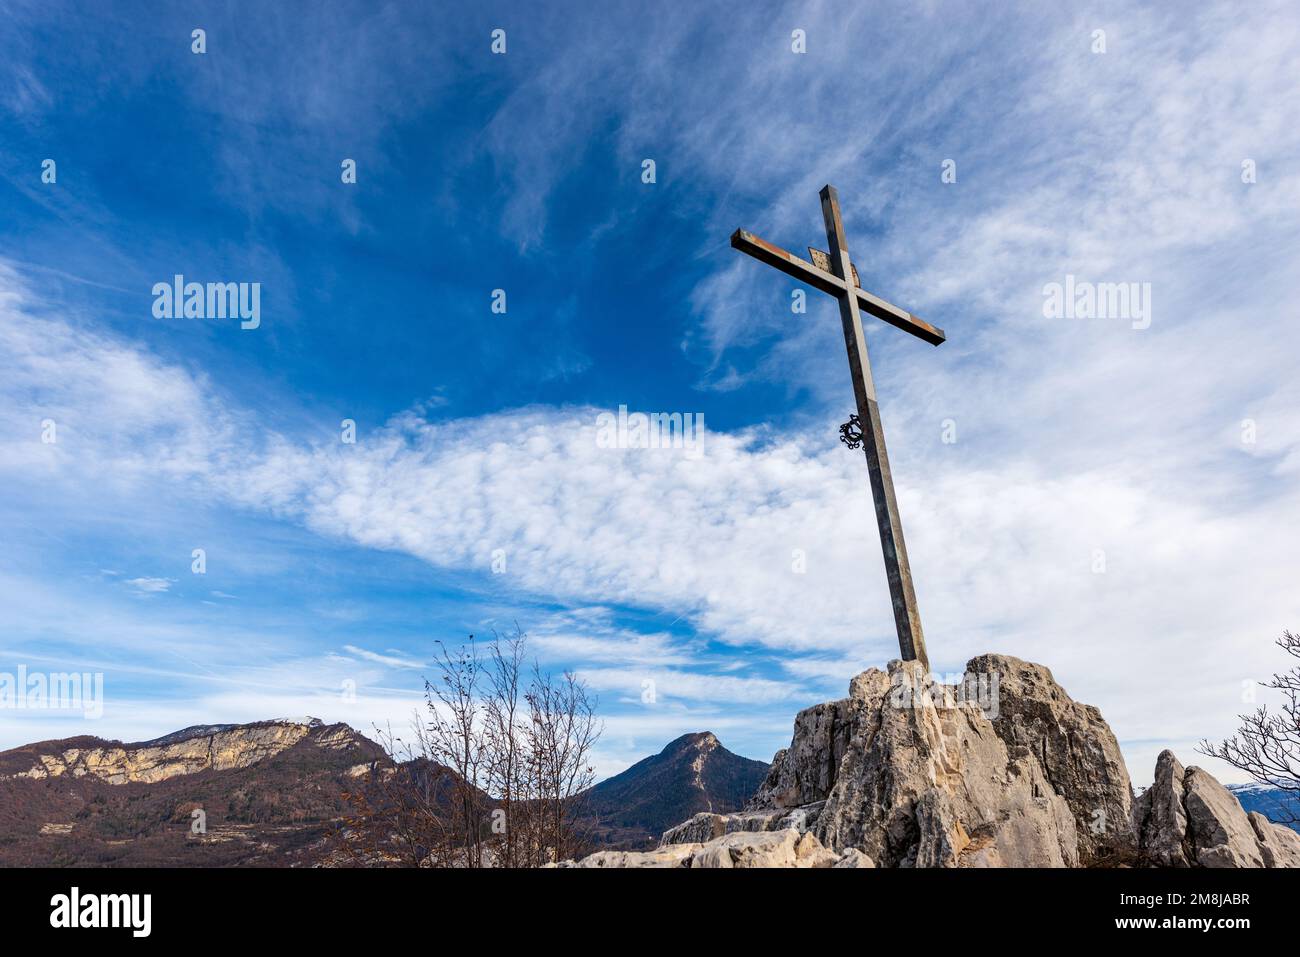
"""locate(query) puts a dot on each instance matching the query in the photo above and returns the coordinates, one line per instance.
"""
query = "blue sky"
(329, 562)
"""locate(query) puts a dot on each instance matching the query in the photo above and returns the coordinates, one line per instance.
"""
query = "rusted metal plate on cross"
(823, 261)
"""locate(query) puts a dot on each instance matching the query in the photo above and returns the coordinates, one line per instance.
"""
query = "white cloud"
(600, 643)
(1162, 641)
(1072, 437)
(151, 586)
(631, 684)
(390, 660)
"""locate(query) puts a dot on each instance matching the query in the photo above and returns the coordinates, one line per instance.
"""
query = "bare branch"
(1267, 744)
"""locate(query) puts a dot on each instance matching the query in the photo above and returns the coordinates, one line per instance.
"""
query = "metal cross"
(833, 273)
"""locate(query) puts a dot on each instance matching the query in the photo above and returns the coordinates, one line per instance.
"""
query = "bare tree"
(400, 810)
(454, 738)
(506, 772)
(495, 774)
(560, 734)
(1267, 745)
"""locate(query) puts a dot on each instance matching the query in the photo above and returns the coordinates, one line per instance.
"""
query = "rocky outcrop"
(707, 826)
(852, 857)
(1278, 845)
(1160, 820)
(1003, 770)
(678, 855)
(1188, 819)
(1076, 749)
(786, 848)
(194, 750)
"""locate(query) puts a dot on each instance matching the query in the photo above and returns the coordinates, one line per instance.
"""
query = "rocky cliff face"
(1003, 770)
(216, 748)
(1188, 819)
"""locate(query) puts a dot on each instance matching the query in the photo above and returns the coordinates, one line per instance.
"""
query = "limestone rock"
(1005, 770)
(676, 855)
(750, 849)
(788, 848)
(805, 772)
(808, 852)
(707, 826)
(744, 849)
(1279, 846)
(852, 857)
(1187, 818)
(1076, 749)
(1217, 826)
(1160, 820)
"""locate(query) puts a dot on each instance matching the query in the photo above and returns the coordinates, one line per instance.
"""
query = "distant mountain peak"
(692, 773)
(184, 734)
(699, 740)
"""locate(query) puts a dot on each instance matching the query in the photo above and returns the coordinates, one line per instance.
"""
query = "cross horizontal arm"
(804, 271)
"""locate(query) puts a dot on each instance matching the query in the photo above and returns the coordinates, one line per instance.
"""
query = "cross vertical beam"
(907, 617)
(833, 273)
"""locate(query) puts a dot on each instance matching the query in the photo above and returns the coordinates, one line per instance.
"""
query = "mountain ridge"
(1274, 803)
(693, 773)
(187, 751)
(272, 793)
(261, 794)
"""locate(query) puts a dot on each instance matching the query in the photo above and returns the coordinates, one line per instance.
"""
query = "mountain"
(693, 774)
(270, 792)
(1004, 769)
(1274, 803)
